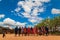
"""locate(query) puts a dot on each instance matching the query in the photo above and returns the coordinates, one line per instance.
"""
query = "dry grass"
(12, 37)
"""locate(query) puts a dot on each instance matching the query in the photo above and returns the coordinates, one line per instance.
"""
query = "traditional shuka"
(43, 30)
(38, 31)
(31, 30)
(25, 30)
(22, 30)
(28, 30)
(34, 30)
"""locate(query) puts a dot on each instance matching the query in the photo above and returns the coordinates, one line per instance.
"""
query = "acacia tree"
(51, 23)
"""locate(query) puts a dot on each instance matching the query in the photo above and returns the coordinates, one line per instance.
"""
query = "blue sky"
(27, 12)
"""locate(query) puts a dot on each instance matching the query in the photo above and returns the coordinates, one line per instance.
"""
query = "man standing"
(19, 31)
(25, 31)
(16, 31)
(31, 30)
(3, 33)
(28, 31)
(46, 29)
(22, 31)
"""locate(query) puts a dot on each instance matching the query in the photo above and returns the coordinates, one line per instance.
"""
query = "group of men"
(30, 30)
(27, 31)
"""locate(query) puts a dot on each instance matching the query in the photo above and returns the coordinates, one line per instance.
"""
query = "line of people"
(27, 31)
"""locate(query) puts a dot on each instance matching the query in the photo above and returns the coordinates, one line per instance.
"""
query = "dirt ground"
(12, 37)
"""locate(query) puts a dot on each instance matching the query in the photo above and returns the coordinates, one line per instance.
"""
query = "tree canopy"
(50, 22)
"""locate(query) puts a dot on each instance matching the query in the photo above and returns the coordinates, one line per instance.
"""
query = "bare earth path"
(12, 37)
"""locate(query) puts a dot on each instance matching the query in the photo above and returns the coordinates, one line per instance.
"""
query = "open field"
(12, 37)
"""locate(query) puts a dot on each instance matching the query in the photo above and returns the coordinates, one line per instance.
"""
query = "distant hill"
(7, 29)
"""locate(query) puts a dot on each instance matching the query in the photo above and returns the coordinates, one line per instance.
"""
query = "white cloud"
(20, 3)
(39, 0)
(2, 16)
(26, 8)
(35, 12)
(31, 9)
(27, 15)
(41, 10)
(9, 21)
(12, 22)
(18, 9)
(32, 20)
(20, 24)
(1, 23)
(55, 11)
(35, 19)
(45, 0)
(28, 5)
(38, 3)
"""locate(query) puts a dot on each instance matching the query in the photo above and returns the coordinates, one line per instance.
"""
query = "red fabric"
(28, 30)
(25, 30)
(34, 30)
